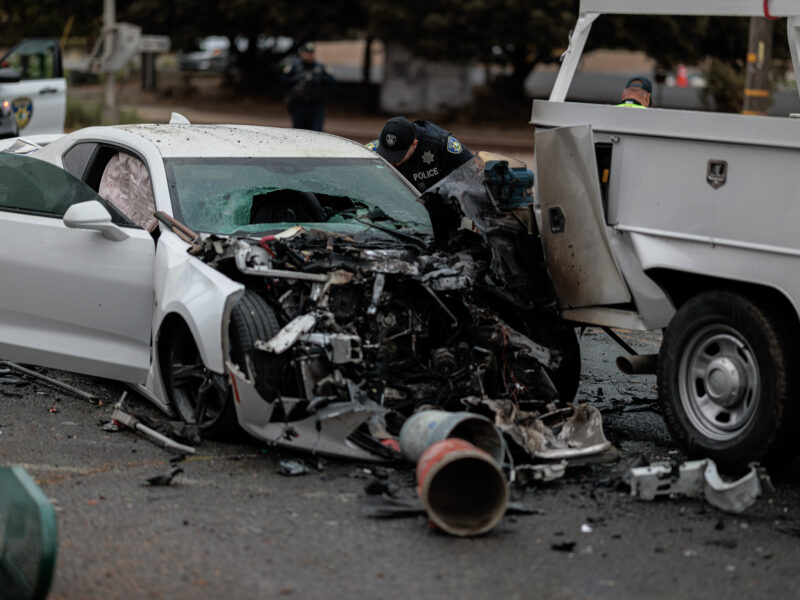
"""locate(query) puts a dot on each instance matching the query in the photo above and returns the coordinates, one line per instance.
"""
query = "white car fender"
(199, 294)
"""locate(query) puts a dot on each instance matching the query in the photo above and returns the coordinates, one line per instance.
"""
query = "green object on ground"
(28, 537)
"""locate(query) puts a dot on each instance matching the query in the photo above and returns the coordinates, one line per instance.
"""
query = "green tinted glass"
(31, 185)
(242, 195)
(34, 59)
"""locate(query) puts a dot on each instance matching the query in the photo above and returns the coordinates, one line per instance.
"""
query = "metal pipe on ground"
(462, 488)
(638, 364)
(425, 428)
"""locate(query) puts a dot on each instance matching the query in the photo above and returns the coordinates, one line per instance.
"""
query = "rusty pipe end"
(638, 364)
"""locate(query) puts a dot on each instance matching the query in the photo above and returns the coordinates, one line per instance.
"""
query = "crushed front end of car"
(340, 337)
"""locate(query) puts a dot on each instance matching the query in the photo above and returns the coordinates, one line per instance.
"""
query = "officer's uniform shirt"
(437, 155)
(306, 81)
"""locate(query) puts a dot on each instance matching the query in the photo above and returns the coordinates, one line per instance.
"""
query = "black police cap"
(396, 138)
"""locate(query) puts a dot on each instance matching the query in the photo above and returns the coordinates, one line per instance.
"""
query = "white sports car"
(281, 281)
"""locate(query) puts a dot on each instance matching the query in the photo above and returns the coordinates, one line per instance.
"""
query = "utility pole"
(109, 95)
(759, 60)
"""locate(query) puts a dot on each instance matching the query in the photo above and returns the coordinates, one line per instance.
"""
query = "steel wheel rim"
(719, 382)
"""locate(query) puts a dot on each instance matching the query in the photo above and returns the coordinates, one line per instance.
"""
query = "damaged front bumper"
(325, 432)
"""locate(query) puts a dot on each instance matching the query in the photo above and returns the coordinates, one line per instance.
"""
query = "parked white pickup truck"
(686, 221)
(32, 80)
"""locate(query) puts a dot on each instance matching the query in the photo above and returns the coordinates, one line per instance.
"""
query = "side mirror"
(9, 75)
(93, 215)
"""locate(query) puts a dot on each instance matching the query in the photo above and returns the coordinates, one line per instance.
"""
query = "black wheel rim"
(199, 395)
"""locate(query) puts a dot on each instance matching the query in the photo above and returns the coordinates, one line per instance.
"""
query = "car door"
(70, 298)
(39, 99)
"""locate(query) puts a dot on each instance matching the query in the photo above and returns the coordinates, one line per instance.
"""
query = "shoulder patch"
(373, 145)
(287, 68)
(453, 145)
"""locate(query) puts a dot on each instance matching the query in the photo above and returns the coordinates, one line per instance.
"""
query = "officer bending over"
(424, 153)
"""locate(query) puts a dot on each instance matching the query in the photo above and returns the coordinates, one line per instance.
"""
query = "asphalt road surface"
(231, 527)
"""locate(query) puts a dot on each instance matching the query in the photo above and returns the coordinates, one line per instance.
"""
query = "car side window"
(77, 158)
(34, 59)
(33, 186)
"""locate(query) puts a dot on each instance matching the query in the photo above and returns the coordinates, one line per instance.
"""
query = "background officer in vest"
(637, 93)
(424, 153)
(307, 79)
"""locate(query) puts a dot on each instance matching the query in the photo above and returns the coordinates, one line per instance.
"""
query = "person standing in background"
(307, 79)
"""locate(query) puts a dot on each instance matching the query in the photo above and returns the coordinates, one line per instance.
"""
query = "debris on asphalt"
(529, 474)
(398, 507)
(49, 380)
(128, 420)
(574, 434)
(165, 478)
(388, 507)
(563, 546)
(792, 529)
(108, 425)
(185, 433)
(378, 487)
(698, 479)
(292, 468)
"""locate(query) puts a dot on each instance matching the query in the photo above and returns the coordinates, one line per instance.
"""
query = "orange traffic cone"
(682, 78)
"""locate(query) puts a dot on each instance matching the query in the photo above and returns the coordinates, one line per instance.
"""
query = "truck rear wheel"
(723, 379)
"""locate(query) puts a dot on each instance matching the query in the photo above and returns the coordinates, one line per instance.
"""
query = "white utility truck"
(688, 222)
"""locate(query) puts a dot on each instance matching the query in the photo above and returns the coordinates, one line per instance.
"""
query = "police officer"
(424, 153)
(637, 93)
(307, 79)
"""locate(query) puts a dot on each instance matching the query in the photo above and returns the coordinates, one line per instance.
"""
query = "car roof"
(184, 140)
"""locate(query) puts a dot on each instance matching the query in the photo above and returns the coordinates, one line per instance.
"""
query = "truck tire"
(723, 380)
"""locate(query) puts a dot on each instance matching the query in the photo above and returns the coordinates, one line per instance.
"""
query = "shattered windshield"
(256, 195)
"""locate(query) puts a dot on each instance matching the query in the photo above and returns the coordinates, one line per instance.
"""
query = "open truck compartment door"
(574, 235)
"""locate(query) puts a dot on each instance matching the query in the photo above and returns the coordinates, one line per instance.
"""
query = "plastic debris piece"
(108, 425)
(528, 474)
(698, 479)
(292, 468)
(165, 478)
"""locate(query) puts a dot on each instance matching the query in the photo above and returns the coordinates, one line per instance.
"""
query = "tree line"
(518, 34)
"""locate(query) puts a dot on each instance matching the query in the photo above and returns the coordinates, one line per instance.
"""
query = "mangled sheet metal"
(698, 479)
(374, 326)
(572, 434)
